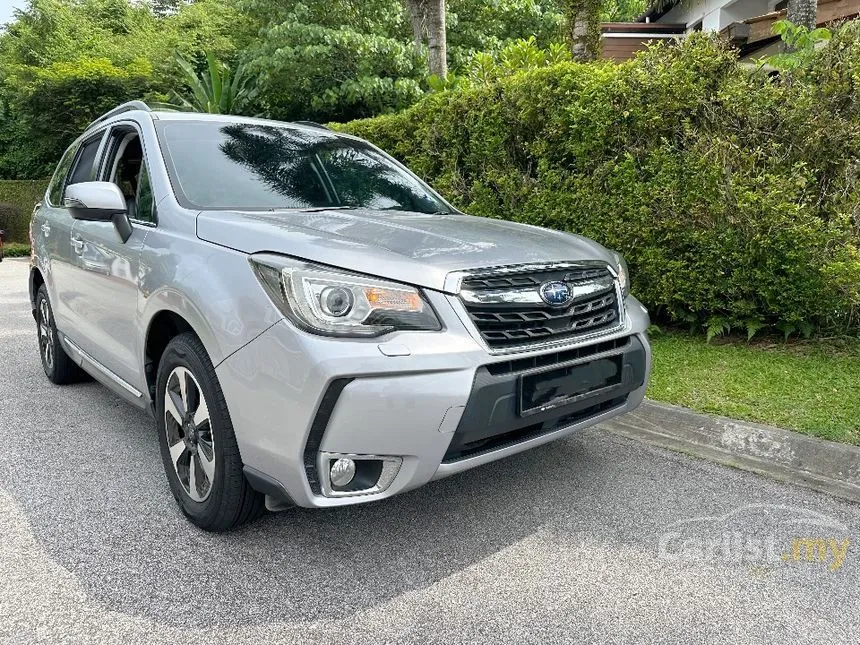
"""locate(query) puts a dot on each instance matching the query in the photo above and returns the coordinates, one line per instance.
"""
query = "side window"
(55, 190)
(144, 196)
(126, 168)
(83, 170)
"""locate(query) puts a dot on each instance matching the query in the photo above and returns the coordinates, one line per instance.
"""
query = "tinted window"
(55, 190)
(257, 166)
(83, 170)
(144, 196)
(126, 168)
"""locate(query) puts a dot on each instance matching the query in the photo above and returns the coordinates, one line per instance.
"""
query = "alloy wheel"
(46, 334)
(189, 433)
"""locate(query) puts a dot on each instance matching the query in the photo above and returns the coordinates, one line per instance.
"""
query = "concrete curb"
(788, 456)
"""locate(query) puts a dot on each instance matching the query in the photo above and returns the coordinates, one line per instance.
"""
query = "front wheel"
(198, 446)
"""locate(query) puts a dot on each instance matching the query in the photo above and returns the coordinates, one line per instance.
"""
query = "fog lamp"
(342, 472)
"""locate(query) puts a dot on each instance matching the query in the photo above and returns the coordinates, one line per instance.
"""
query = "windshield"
(253, 166)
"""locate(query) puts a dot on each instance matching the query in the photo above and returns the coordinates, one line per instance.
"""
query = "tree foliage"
(52, 105)
(166, 7)
(63, 62)
(315, 62)
(800, 43)
(490, 26)
(622, 10)
(51, 31)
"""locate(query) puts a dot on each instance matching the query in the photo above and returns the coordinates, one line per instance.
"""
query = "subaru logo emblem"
(555, 293)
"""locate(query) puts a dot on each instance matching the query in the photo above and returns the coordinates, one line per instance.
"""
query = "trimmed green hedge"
(734, 196)
(17, 199)
(16, 250)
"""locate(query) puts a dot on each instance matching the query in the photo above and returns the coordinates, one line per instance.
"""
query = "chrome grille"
(507, 309)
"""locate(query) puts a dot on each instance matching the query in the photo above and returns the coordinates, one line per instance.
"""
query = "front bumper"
(438, 401)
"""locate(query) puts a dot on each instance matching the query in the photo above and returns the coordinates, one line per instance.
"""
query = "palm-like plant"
(217, 90)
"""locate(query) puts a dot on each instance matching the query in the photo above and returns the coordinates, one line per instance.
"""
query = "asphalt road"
(573, 542)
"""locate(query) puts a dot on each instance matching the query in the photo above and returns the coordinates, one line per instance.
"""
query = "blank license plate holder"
(559, 386)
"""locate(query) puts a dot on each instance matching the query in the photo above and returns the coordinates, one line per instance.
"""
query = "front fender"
(212, 288)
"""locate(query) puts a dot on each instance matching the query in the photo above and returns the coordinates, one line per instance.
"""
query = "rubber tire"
(64, 370)
(232, 502)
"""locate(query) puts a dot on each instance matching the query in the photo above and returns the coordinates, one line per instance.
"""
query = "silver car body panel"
(407, 390)
(415, 248)
(394, 405)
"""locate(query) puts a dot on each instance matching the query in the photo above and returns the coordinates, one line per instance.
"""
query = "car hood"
(414, 248)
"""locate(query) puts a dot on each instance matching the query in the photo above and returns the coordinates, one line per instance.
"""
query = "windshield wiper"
(412, 210)
(316, 209)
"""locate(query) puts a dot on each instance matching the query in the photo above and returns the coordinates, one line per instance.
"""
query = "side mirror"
(99, 201)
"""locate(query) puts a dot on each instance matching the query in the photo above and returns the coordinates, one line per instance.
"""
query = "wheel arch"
(36, 280)
(163, 323)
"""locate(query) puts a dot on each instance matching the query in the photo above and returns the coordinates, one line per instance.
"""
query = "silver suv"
(307, 321)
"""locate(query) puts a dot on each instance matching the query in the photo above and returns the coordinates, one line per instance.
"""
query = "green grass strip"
(811, 387)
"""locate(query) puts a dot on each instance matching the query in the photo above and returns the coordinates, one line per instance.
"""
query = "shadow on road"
(84, 467)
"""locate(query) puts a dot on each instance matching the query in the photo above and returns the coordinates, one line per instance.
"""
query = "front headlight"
(623, 273)
(328, 301)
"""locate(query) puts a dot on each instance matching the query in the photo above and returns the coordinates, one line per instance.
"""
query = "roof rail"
(312, 124)
(125, 107)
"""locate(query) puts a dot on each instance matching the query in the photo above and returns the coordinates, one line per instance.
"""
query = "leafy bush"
(800, 43)
(518, 56)
(49, 107)
(218, 90)
(16, 250)
(733, 195)
(17, 199)
(486, 68)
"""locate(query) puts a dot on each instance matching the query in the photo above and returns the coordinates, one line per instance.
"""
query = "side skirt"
(105, 376)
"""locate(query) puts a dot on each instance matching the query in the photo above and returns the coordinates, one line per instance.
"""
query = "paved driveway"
(573, 542)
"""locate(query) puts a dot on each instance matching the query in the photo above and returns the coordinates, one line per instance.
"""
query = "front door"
(107, 268)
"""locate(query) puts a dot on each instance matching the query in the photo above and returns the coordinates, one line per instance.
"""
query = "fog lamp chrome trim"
(390, 468)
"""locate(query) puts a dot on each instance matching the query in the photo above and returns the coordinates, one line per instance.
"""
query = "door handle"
(78, 243)
(46, 229)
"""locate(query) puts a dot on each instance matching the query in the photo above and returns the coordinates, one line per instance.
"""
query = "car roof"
(139, 109)
(170, 115)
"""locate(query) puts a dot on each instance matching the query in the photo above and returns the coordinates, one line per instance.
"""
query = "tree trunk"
(418, 16)
(437, 38)
(803, 13)
(583, 28)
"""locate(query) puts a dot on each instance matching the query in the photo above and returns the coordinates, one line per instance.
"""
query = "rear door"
(52, 229)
